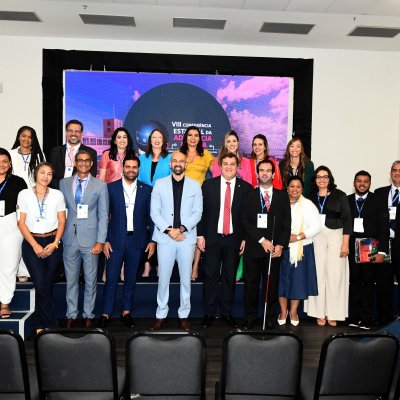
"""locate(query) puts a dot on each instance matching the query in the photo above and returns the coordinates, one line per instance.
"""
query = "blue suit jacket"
(142, 224)
(162, 208)
(163, 169)
(94, 228)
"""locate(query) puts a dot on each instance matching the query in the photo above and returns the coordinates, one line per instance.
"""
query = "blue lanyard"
(321, 206)
(25, 160)
(4, 185)
(263, 203)
(41, 206)
(360, 209)
(291, 172)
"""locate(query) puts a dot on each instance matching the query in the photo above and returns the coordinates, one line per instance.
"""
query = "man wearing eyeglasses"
(85, 233)
(62, 157)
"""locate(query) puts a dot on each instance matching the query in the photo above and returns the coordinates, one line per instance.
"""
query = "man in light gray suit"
(85, 234)
(176, 208)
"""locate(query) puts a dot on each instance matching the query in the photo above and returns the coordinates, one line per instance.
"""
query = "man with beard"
(266, 220)
(62, 157)
(370, 221)
(176, 208)
(129, 234)
(388, 197)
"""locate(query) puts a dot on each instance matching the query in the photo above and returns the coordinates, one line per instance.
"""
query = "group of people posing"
(288, 226)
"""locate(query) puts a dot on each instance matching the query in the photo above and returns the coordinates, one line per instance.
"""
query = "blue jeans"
(42, 272)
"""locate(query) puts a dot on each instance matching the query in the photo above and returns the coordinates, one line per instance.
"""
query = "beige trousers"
(332, 276)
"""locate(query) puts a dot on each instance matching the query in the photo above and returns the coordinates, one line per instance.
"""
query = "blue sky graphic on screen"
(141, 102)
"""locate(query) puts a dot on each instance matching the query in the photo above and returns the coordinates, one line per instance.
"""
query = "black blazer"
(375, 220)
(337, 211)
(280, 209)
(382, 195)
(57, 158)
(208, 225)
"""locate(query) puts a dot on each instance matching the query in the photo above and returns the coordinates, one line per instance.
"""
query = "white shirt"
(390, 201)
(69, 161)
(130, 198)
(20, 168)
(28, 203)
(222, 203)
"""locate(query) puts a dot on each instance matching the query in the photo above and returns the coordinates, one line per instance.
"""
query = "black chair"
(77, 364)
(352, 365)
(14, 377)
(166, 365)
(260, 365)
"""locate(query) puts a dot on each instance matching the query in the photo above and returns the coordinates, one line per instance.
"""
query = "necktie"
(78, 193)
(227, 210)
(395, 202)
(266, 201)
(71, 156)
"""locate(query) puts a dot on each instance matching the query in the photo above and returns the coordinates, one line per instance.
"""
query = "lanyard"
(120, 159)
(263, 202)
(129, 197)
(360, 209)
(41, 206)
(291, 172)
(321, 206)
(4, 185)
(25, 160)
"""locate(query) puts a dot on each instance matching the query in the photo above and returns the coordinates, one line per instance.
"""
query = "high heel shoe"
(282, 321)
(294, 322)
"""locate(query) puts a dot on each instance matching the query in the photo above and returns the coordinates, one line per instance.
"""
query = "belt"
(52, 233)
(129, 233)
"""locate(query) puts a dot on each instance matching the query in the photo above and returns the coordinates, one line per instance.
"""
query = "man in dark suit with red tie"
(388, 196)
(266, 219)
(220, 238)
(370, 220)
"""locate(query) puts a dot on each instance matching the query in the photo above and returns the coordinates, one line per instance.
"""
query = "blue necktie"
(395, 202)
(78, 193)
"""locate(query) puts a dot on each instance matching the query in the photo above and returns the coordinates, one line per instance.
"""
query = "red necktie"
(266, 201)
(227, 210)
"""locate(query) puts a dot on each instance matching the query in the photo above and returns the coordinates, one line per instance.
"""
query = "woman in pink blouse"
(111, 160)
(230, 144)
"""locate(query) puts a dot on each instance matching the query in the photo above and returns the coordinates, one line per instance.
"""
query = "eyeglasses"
(322, 177)
(73, 131)
(83, 160)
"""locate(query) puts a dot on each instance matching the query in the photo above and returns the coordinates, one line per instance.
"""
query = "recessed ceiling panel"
(24, 16)
(107, 20)
(370, 31)
(201, 23)
(292, 29)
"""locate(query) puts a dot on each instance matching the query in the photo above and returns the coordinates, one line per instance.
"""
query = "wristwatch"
(298, 237)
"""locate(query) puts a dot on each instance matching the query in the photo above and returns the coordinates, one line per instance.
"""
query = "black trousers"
(385, 282)
(255, 271)
(220, 263)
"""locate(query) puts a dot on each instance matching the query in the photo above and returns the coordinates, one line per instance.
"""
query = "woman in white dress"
(25, 155)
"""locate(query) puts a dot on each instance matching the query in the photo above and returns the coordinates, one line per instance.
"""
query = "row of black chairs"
(256, 365)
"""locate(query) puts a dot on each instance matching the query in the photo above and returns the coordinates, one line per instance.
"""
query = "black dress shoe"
(207, 320)
(248, 324)
(270, 324)
(104, 321)
(230, 321)
(127, 320)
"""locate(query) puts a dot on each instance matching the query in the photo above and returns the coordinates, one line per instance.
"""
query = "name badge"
(262, 221)
(392, 212)
(38, 225)
(82, 211)
(323, 218)
(2, 208)
(358, 225)
(68, 172)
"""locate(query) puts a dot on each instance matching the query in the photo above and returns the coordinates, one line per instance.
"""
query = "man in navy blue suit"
(129, 234)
